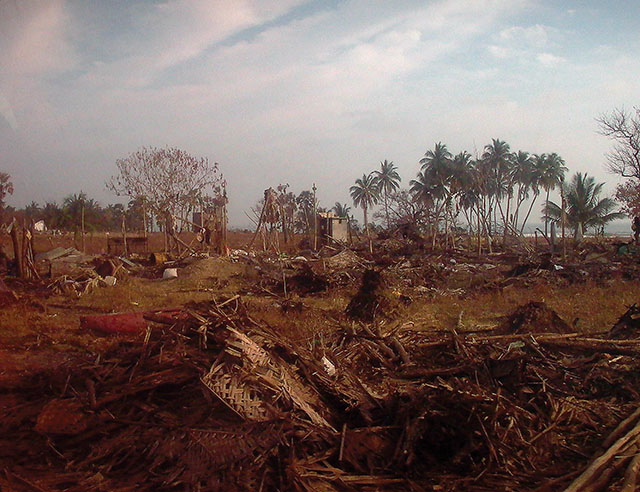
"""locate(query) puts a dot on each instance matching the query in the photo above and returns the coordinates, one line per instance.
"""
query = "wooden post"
(32, 229)
(17, 251)
(144, 225)
(564, 219)
(124, 236)
(315, 219)
(25, 247)
(224, 222)
(82, 214)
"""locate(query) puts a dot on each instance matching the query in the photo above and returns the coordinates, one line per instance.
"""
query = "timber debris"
(210, 399)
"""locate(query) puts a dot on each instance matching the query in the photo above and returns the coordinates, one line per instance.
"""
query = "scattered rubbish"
(110, 280)
(158, 258)
(115, 323)
(328, 366)
(57, 253)
(127, 261)
(108, 266)
(207, 398)
(169, 273)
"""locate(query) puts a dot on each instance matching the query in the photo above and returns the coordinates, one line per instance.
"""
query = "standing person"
(635, 225)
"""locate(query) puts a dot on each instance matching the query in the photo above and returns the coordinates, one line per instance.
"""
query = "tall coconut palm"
(388, 181)
(365, 194)
(584, 207)
(435, 174)
(423, 189)
(437, 163)
(525, 177)
(538, 165)
(551, 171)
(499, 160)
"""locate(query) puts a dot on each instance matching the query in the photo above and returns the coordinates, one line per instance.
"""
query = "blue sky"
(300, 92)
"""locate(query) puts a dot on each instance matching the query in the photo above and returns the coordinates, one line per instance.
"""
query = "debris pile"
(212, 400)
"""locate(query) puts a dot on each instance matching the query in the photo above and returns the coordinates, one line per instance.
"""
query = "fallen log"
(602, 467)
(419, 373)
(614, 347)
(631, 475)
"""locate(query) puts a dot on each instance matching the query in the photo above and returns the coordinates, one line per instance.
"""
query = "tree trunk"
(17, 251)
(386, 208)
(524, 222)
(506, 221)
(579, 232)
(546, 220)
(366, 227)
(83, 245)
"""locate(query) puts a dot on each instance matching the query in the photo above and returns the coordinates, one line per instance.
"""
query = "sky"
(303, 92)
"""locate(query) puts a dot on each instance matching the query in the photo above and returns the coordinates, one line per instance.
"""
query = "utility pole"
(564, 220)
(82, 214)
(315, 219)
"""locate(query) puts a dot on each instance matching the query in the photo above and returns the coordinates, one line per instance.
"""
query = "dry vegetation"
(420, 298)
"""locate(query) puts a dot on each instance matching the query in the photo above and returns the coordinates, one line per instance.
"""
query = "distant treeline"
(68, 215)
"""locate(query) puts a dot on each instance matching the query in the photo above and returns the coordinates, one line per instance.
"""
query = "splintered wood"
(212, 400)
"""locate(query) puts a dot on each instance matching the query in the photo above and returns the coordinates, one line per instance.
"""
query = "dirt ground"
(305, 300)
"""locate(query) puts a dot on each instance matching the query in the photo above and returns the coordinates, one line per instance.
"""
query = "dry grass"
(588, 306)
(53, 324)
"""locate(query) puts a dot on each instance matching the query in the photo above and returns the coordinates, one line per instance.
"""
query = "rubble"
(206, 398)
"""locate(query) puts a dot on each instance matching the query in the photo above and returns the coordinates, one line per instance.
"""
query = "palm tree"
(526, 178)
(584, 207)
(341, 209)
(365, 194)
(388, 181)
(551, 171)
(32, 210)
(435, 179)
(423, 189)
(52, 215)
(499, 160)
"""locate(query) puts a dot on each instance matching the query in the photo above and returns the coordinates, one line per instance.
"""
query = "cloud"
(526, 44)
(499, 51)
(176, 32)
(7, 112)
(536, 36)
(34, 40)
(548, 59)
(294, 93)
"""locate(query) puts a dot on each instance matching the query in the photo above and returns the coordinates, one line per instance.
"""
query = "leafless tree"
(171, 181)
(623, 128)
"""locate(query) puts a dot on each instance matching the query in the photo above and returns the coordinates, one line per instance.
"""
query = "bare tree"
(623, 128)
(171, 181)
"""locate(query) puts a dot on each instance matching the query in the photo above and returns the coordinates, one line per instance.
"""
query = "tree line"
(68, 215)
(493, 194)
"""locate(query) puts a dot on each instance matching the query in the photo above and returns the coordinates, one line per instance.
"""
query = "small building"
(39, 226)
(332, 228)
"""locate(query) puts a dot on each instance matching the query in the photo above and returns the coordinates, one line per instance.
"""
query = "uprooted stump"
(628, 325)
(306, 281)
(533, 317)
(368, 301)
